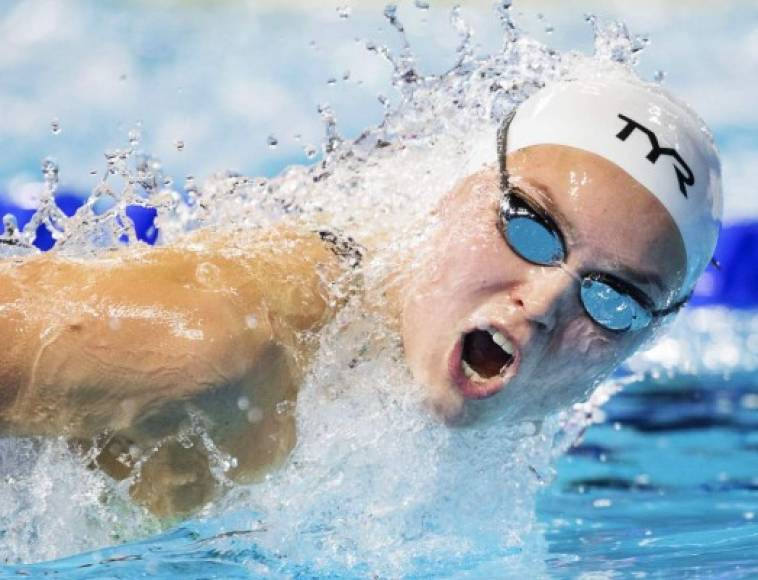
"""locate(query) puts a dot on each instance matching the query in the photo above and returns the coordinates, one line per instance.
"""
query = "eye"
(529, 234)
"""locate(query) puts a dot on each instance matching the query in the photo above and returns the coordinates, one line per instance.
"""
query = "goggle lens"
(611, 308)
(536, 241)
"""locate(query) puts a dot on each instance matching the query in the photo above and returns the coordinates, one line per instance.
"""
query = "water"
(667, 483)
(375, 485)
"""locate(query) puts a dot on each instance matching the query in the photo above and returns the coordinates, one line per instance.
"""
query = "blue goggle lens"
(611, 308)
(536, 241)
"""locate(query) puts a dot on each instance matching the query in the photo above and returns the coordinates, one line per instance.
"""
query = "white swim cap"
(656, 139)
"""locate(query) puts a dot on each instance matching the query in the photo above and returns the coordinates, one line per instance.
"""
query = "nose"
(546, 295)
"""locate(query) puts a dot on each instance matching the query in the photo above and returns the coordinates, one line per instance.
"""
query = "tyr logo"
(684, 174)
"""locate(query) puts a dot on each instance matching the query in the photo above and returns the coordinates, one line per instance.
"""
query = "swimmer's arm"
(96, 345)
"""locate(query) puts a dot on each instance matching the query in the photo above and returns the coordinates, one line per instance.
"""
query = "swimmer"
(545, 270)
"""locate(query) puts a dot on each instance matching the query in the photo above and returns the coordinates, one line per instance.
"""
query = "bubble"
(331, 81)
(344, 12)
(602, 503)
(243, 403)
(310, 151)
(272, 142)
(659, 76)
(421, 4)
(55, 126)
(179, 145)
(251, 321)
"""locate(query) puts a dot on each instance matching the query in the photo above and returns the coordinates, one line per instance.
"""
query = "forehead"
(610, 221)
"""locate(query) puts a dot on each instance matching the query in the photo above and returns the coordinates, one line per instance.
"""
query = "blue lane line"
(734, 284)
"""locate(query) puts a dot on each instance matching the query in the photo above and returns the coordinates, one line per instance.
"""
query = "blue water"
(666, 486)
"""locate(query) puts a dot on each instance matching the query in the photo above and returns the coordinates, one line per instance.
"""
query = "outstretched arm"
(125, 343)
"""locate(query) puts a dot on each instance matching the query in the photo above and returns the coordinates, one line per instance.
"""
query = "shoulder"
(298, 273)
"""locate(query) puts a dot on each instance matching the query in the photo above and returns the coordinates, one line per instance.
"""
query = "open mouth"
(486, 353)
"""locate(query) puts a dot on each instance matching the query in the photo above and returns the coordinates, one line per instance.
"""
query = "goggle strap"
(673, 308)
(502, 147)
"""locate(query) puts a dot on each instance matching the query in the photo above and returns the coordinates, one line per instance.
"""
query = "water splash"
(397, 491)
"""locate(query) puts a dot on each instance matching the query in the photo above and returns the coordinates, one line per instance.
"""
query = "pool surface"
(662, 484)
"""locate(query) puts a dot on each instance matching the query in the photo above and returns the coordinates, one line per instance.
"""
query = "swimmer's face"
(468, 278)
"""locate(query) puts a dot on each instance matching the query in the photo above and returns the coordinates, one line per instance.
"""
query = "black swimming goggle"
(610, 302)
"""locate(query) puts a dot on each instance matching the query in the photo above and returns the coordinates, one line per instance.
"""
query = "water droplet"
(421, 4)
(55, 126)
(659, 76)
(272, 142)
(134, 137)
(310, 151)
(297, 137)
(602, 503)
(50, 174)
(243, 403)
(331, 81)
(10, 224)
(251, 321)
(179, 144)
(344, 11)
(549, 29)
(346, 75)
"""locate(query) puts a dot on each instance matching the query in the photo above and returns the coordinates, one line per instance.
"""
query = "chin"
(446, 403)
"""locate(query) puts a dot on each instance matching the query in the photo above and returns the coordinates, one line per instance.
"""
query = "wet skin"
(468, 277)
(131, 349)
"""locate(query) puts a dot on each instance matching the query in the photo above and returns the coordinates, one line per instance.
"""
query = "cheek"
(582, 337)
(591, 352)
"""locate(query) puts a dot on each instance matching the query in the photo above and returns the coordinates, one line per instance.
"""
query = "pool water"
(666, 485)
(663, 484)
